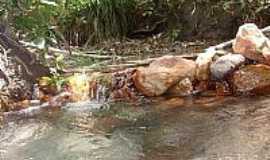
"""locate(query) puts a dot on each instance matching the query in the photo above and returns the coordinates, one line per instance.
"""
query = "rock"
(223, 89)
(201, 86)
(225, 65)
(252, 79)
(123, 86)
(182, 88)
(252, 43)
(163, 73)
(203, 63)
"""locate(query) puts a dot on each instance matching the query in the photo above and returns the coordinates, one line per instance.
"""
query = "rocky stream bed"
(167, 129)
(174, 107)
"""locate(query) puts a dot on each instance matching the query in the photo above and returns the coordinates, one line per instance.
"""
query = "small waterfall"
(101, 93)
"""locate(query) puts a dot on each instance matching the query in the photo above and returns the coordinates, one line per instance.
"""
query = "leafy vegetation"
(74, 21)
(67, 25)
(97, 20)
(84, 22)
(185, 17)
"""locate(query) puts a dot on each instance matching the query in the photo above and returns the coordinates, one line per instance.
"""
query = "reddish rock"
(123, 86)
(162, 74)
(201, 86)
(252, 44)
(182, 88)
(252, 79)
(223, 89)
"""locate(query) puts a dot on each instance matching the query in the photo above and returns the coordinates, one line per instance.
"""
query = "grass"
(101, 19)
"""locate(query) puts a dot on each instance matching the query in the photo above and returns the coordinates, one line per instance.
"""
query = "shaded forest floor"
(129, 51)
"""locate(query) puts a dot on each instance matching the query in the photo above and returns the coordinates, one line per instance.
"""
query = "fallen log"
(57, 101)
(31, 67)
(89, 54)
(19, 70)
(123, 66)
(128, 64)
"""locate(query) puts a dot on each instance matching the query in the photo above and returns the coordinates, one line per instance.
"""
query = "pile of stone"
(244, 71)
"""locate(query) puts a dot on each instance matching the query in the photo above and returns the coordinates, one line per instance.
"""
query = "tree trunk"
(19, 69)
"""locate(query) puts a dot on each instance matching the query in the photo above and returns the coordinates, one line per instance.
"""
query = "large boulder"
(162, 74)
(252, 79)
(225, 65)
(252, 43)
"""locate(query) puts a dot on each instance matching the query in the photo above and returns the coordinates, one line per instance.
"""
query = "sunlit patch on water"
(234, 128)
(87, 105)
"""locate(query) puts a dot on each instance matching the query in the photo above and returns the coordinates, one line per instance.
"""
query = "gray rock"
(225, 65)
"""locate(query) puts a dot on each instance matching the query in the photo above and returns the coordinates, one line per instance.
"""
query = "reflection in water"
(201, 129)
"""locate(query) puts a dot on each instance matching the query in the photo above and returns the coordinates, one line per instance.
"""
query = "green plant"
(83, 22)
(247, 10)
(56, 81)
(96, 20)
(73, 21)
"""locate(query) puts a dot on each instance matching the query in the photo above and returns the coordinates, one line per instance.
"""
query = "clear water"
(193, 129)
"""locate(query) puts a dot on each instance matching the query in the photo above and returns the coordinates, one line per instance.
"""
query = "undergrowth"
(86, 22)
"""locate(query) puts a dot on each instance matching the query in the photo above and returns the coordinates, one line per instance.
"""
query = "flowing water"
(167, 129)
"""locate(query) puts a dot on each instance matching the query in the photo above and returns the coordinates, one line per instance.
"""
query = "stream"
(202, 128)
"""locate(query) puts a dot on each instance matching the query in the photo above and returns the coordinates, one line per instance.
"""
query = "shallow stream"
(168, 129)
